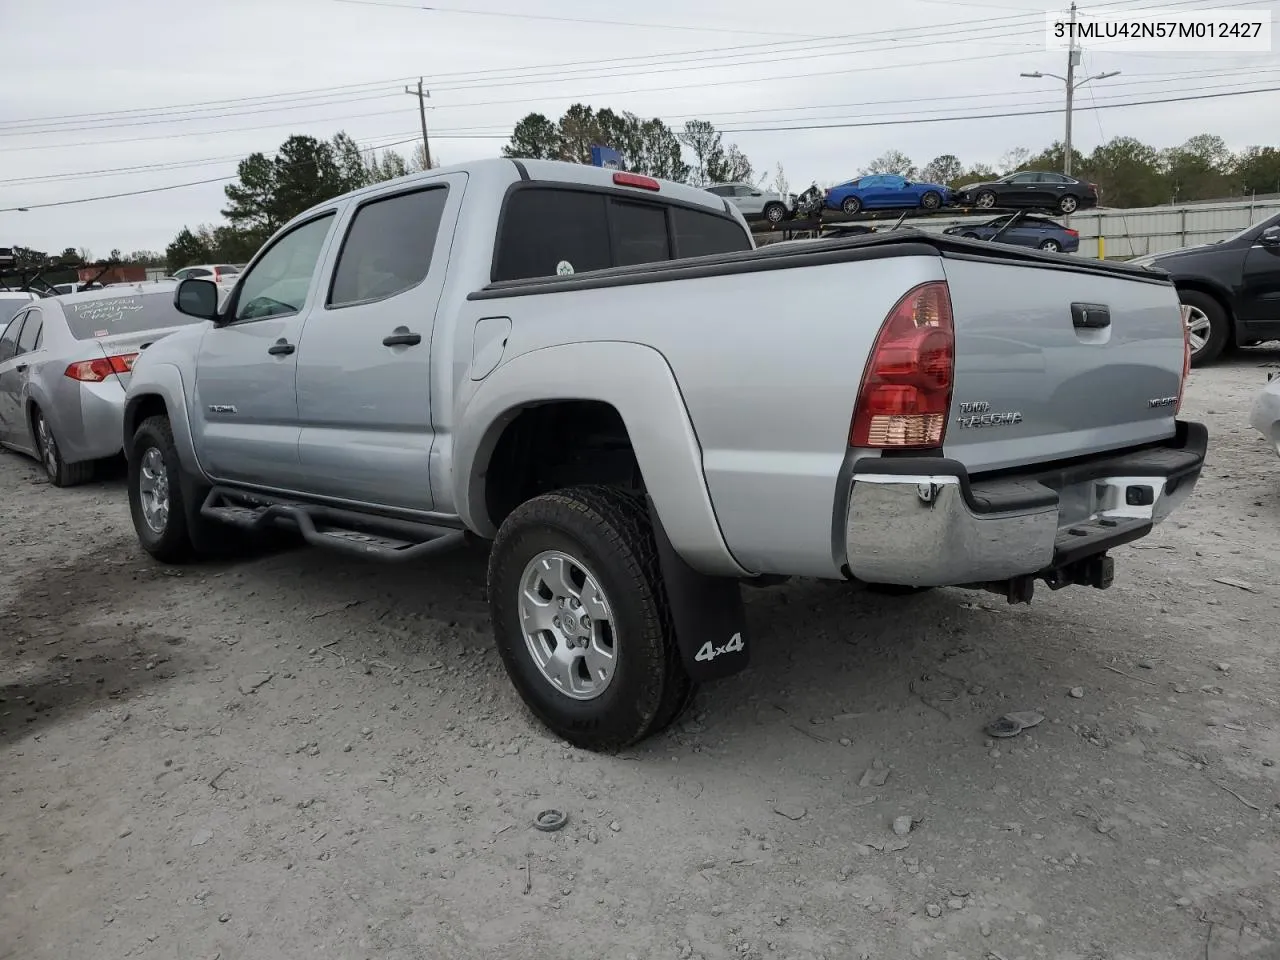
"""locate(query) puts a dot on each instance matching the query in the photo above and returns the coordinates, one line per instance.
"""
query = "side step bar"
(396, 541)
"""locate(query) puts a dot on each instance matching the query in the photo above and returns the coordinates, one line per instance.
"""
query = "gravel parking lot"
(301, 755)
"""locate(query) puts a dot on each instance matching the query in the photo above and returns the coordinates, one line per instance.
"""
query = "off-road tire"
(609, 530)
(59, 472)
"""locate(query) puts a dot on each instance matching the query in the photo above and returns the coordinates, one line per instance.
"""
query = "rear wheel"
(1068, 204)
(1053, 246)
(931, 200)
(851, 205)
(581, 617)
(775, 212)
(1207, 326)
(61, 473)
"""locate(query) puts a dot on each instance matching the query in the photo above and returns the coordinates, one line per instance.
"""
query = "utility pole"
(1073, 61)
(422, 96)
(1073, 57)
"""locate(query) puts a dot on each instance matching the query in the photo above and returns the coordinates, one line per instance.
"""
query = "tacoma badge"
(977, 414)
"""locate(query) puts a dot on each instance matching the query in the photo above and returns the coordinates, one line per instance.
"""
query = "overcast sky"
(189, 89)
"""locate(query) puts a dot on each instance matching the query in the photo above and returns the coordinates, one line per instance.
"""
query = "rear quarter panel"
(768, 364)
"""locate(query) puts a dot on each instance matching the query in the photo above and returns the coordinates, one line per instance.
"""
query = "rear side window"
(550, 230)
(699, 234)
(227, 268)
(109, 316)
(388, 247)
(31, 330)
(545, 232)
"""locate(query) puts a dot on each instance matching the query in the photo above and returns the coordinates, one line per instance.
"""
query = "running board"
(396, 541)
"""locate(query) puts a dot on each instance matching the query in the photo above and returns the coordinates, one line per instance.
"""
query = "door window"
(30, 335)
(388, 247)
(277, 284)
(9, 339)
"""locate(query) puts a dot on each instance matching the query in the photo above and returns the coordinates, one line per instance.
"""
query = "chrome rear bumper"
(937, 527)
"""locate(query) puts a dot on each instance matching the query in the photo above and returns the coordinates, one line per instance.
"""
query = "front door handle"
(281, 348)
(401, 337)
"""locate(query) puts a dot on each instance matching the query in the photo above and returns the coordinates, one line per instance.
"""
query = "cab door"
(364, 364)
(245, 416)
(11, 383)
(1260, 282)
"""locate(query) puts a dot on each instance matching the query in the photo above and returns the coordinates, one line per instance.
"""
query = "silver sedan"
(64, 365)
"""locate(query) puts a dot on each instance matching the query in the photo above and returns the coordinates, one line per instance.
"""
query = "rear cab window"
(133, 313)
(548, 230)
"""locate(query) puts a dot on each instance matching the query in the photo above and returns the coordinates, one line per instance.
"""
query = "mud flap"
(707, 612)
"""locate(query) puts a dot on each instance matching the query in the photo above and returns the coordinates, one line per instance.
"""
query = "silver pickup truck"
(596, 372)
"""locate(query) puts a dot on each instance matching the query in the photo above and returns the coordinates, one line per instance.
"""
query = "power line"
(791, 128)
(715, 117)
(113, 196)
(522, 75)
(997, 116)
(578, 20)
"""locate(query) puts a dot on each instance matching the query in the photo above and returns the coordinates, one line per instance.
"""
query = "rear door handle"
(281, 348)
(402, 338)
(1090, 316)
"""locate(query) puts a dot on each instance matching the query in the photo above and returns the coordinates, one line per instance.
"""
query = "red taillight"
(906, 390)
(1074, 233)
(217, 275)
(1186, 355)
(95, 371)
(635, 180)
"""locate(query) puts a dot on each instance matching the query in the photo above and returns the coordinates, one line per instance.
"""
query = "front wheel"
(985, 200)
(155, 493)
(1207, 326)
(581, 617)
(851, 205)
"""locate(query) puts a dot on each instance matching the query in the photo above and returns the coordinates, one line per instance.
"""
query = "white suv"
(755, 203)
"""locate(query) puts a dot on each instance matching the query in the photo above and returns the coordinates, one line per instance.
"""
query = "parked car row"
(1025, 190)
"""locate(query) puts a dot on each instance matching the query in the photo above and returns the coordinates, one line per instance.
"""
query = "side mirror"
(197, 298)
(1270, 237)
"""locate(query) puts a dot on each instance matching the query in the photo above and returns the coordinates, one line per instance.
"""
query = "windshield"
(1263, 224)
(109, 316)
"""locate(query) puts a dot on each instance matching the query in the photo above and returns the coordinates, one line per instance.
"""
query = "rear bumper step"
(923, 521)
(394, 541)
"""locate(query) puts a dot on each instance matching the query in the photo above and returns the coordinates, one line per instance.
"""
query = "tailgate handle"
(1090, 316)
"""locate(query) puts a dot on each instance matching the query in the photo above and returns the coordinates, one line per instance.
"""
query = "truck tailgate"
(1054, 362)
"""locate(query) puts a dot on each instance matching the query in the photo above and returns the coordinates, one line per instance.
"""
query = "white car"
(755, 204)
(224, 275)
(11, 301)
(1265, 417)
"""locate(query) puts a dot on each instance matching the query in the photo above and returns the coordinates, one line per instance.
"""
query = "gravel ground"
(306, 756)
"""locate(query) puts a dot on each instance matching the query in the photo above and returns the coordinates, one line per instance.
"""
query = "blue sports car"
(886, 191)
